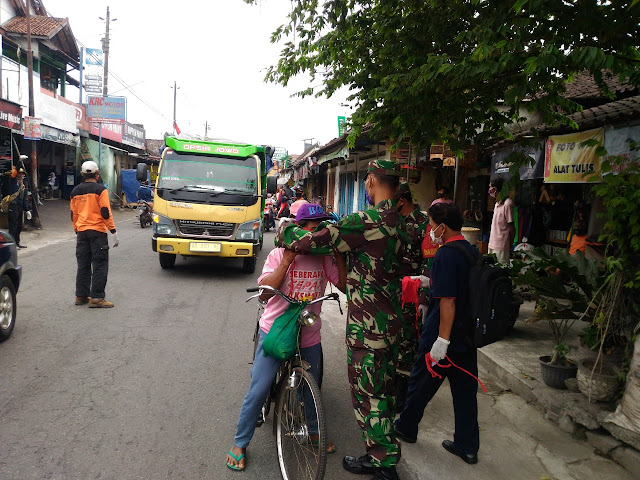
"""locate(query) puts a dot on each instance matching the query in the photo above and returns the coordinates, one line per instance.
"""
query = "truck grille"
(206, 229)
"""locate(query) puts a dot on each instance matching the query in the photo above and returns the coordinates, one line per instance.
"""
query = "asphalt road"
(151, 388)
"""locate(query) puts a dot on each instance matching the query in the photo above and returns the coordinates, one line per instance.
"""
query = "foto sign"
(106, 109)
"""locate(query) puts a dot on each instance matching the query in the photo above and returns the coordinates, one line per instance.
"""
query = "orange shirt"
(91, 208)
(578, 242)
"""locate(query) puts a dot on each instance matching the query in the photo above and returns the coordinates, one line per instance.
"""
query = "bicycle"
(298, 404)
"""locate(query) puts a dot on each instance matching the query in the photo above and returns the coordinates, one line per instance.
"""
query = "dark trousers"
(92, 253)
(16, 214)
(422, 388)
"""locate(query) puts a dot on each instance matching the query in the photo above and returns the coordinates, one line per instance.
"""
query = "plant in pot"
(617, 314)
(563, 287)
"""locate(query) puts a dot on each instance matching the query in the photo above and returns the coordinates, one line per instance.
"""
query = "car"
(10, 276)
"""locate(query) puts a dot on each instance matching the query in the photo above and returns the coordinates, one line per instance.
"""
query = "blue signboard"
(106, 109)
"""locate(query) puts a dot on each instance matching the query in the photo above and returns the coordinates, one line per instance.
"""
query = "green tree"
(447, 69)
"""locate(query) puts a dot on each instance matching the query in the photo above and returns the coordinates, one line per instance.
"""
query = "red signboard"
(110, 131)
(10, 115)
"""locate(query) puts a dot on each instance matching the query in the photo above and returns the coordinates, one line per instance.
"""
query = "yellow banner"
(567, 161)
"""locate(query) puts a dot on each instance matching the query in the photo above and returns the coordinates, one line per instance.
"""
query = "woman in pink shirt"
(300, 277)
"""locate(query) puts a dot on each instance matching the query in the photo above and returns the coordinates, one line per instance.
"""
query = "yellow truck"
(209, 200)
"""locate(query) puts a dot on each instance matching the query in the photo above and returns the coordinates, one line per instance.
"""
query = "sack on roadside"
(490, 299)
(281, 342)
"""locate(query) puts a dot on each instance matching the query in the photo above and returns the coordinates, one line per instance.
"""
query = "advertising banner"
(106, 109)
(110, 131)
(59, 136)
(32, 128)
(133, 135)
(93, 70)
(623, 142)
(568, 161)
(56, 113)
(6, 148)
(10, 115)
(500, 166)
(341, 124)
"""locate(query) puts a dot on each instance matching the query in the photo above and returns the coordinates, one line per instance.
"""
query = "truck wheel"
(249, 265)
(167, 260)
(7, 307)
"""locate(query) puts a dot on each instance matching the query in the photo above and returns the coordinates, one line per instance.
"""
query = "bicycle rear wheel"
(299, 415)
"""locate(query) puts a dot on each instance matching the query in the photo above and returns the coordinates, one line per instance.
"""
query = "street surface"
(151, 388)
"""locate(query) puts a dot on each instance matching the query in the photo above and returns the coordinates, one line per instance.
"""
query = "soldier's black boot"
(359, 465)
(386, 474)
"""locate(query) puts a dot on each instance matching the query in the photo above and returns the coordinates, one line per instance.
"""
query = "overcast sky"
(217, 51)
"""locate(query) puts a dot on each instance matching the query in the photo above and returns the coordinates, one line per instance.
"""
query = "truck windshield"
(187, 172)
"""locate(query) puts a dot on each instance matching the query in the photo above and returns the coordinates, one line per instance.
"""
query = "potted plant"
(563, 287)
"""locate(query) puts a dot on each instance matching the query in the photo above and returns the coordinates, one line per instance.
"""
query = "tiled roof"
(584, 87)
(40, 25)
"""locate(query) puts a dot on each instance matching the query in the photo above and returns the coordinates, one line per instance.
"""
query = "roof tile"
(40, 25)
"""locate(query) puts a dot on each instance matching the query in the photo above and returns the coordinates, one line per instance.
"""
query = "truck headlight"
(249, 231)
(163, 225)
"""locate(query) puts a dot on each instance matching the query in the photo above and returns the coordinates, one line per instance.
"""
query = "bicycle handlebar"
(260, 288)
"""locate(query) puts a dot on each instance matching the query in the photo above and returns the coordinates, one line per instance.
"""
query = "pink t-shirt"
(295, 206)
(306, 279)
(502, 216)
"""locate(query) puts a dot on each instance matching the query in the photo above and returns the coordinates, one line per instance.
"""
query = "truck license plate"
(204, 247)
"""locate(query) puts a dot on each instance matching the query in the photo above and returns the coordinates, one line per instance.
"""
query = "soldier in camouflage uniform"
(370, 240)
(416, 227)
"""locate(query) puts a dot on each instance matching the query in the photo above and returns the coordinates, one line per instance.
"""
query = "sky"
(217, 52)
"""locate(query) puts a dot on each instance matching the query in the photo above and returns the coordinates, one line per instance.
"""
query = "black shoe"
(386, 474)
(403, 437)
(359, 465)
(470, 458)
(22, 246)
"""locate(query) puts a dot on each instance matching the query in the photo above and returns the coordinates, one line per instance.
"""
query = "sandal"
(237, 468)
(331, 448)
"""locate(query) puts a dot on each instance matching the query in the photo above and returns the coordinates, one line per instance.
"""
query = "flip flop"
(331, 448)
(237, 468)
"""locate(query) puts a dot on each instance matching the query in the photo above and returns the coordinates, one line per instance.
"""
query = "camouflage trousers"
(408, 338)
(371, 376)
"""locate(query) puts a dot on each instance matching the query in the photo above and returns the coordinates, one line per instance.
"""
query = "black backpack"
(490, 299)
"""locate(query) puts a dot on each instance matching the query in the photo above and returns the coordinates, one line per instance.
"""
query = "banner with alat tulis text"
(568, 160)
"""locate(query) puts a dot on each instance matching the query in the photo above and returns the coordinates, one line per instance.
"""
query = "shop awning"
(342, 152)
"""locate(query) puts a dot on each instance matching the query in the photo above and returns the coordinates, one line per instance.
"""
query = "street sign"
(106, 109)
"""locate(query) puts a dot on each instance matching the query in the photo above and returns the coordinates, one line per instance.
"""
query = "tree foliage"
(448, 69)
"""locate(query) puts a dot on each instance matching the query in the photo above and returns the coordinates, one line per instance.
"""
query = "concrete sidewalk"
(55, 216)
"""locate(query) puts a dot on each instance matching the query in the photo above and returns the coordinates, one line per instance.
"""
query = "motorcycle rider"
(146, 194)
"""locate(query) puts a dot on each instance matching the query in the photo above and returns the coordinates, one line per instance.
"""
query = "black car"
(10, 275)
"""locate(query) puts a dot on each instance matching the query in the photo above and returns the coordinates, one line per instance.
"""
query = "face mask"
(441, 195)
(368, 198)
(434, 239)
(492, 192)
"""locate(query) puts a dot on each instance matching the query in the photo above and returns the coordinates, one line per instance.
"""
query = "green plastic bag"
(281, 342)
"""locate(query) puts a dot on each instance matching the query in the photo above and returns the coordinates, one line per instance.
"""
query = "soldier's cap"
(311, 211)
(404, 192)
(383, 167)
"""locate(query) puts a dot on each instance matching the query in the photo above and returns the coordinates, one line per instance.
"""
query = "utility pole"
(105, 53)
(32, 111)
(206, 129)
(175, 92)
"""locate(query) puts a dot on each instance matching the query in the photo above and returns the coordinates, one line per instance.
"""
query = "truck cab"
(209, 201)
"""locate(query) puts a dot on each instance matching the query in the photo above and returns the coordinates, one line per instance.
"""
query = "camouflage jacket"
(416, 224)
(370, 240)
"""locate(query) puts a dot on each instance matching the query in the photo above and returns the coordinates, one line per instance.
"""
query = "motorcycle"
(268, 218)
(145, 213)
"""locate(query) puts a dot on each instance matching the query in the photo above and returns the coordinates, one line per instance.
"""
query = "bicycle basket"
(281, 342)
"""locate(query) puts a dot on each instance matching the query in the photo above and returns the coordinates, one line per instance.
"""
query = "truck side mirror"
(272, 184)
(141, 172)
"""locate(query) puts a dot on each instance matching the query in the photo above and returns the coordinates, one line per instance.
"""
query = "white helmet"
(89, 167)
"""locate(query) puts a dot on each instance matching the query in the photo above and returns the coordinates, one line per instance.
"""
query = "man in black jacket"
(18, 206)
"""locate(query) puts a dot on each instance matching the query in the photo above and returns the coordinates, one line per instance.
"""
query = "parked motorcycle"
(268, 218)
(145, 213)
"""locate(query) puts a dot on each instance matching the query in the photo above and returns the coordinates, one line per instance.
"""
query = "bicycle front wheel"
(301, 430)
